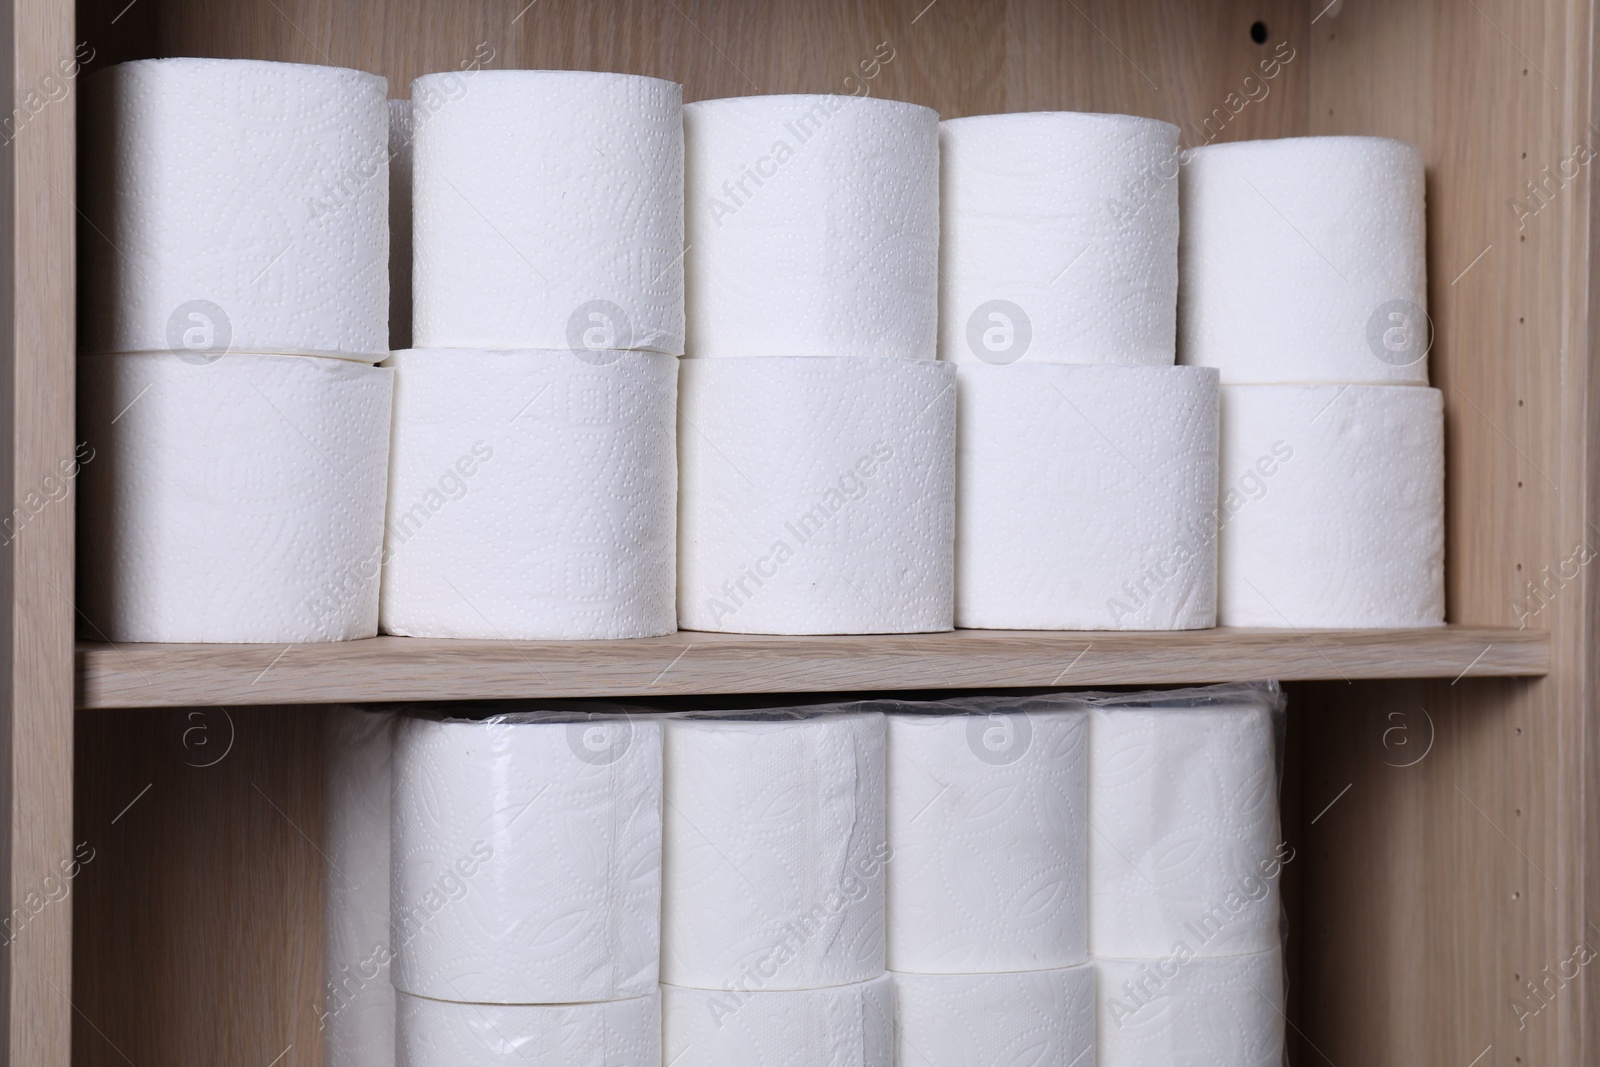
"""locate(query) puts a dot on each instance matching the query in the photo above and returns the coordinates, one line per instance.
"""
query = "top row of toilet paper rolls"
(955, 396)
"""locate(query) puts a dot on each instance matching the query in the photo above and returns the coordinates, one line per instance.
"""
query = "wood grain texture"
(685, 663)
(36, 405)
(1432, 893)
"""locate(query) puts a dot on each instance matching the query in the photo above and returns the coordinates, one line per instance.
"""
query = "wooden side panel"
(37, 456)
(1433, 893)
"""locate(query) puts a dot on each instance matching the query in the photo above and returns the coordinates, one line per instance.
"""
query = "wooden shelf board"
(686, 663)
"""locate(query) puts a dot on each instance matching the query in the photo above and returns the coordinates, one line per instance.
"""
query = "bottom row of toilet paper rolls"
(1061, 880)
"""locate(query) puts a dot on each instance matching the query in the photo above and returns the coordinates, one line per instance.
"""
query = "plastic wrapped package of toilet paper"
(1191, 1012)
(774, 849)
(1183, 791)
(608, 1033)
(1086, 498)
(358, 1001)
(986, 823)
(1332, 506)
(839, 1026)
(1043, 1018)
(236, 205)
(812, 226)
(817, 495)
(1304, 260)
(532, 496)
(548, 211)
(527, 857)
(1060, 239)
(402, 130)
(234, 499)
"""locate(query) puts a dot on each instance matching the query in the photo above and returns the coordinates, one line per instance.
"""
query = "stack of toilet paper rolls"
(987, 904)
(1087, 464)
(526, 890)
(533, 489)
(235, 298)
(817, 429)
(772, 918)
(1305, 285)
(1184, 866)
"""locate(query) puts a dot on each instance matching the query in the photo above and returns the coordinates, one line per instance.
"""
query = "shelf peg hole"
(1258, 32)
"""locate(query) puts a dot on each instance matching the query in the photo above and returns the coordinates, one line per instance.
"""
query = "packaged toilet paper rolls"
(1331, 507)
(818, 495)
(813, 227)
(358, 1001)
(1059, 240)
(986, 823)
(402, 130)
(532, 495)
(235, 498)
(840, 1026)
(1186, 850)
(527, 858)
(773, 850)
(548, 211)
(609, 1033)
(1087, 498)
(235, 205)
(1045, 1018)
(1303, 260)
(1191, 1012)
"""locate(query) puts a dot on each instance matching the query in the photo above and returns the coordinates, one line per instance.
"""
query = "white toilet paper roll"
(1087, 498)
(1303, 260)
(527, 858)
(614, 1033)
(548, 211)
(1192, 1013)
(1186, 849)
(813, 227)
(234, 499)
(773, 850)
(1060, 239)
(236, 205)
(1332, 506)
(358, 1001)
(986, 823)
(840, 1026)
(532, 495)
(1044, 1018)
(402, 131)
(817, 495)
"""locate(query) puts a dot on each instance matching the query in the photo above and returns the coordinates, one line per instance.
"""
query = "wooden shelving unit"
(687, 663)
(1426, 891)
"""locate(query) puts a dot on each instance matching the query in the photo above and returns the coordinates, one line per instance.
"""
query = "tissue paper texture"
(358, 1002)
(813, 227)
(532, 496)
(773, 851)
(1303, 260)
(818, 495)
(239, 499)
(1087, 498)
(402, 131)
(617, 1033)
(986, 822)
(1199, 1013)
(235, 205)
(527, 860)
(549, 211)
(1186, 850)
(1060, 239)
(1040, 1018)
(1332, 506)
(843, 1026)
